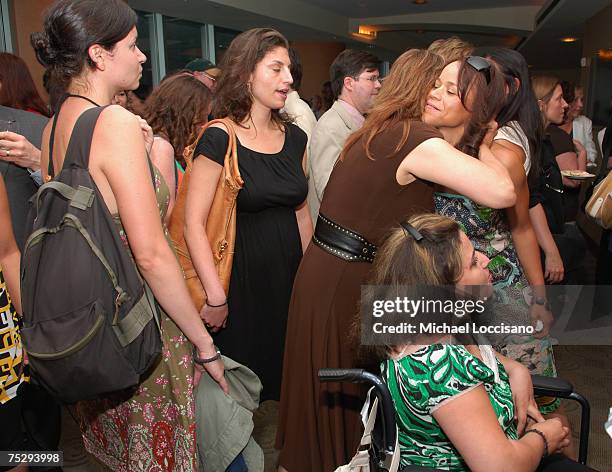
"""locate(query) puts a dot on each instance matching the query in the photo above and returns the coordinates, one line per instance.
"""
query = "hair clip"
(409, 229)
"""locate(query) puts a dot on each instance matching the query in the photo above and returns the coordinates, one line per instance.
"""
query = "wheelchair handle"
(386, 407)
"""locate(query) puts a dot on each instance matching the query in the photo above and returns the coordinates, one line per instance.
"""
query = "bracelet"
(208, 360)
(541, 434)
(215, 306)
(542, 301)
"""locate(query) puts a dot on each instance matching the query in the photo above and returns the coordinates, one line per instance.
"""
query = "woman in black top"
(273, 225)
(551, 190)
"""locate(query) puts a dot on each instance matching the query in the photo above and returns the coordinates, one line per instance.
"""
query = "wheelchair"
(385, 431)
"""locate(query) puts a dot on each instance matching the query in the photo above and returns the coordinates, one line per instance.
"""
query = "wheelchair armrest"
(551, 386)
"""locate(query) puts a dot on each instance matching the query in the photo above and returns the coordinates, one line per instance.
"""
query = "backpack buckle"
(83, 198)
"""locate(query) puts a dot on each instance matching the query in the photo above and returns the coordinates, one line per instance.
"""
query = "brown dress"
(319, 424)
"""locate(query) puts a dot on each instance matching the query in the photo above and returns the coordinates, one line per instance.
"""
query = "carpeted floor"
(589, 369)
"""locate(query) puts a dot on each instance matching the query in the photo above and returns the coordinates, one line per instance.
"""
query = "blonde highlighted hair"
(451, 49)
(401, 98)
(544, 86)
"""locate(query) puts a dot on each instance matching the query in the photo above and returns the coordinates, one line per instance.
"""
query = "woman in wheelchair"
(459, 406)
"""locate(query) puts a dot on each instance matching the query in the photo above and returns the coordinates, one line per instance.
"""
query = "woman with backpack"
(89, 50)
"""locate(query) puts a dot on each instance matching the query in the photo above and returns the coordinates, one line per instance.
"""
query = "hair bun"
(40, 42)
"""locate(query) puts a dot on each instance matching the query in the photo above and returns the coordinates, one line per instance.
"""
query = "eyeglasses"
(373, 79)
(480, 64)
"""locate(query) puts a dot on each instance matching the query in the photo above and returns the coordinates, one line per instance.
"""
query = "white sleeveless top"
(514, 134)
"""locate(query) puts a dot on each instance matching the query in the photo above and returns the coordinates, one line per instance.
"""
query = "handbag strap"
(231, 154)
(366, 438)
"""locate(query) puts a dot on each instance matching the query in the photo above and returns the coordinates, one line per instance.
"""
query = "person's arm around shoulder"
(484, 180)
(162, 157)
(118, 150)
(205, 174)
(9, 253)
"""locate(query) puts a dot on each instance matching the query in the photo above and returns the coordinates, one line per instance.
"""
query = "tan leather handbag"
(599, 206)
(221, 223)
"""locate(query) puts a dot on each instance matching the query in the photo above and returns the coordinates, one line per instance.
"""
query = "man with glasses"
(205, 71)
(355, 81)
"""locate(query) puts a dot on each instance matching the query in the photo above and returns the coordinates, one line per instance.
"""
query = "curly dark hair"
(233, 98)
(177, 108)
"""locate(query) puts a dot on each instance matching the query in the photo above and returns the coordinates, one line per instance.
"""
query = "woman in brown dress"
(319, 423)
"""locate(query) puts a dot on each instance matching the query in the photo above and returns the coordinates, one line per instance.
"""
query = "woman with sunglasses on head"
(518, 143)
(478, 388)
(460, 113)
(386, 171)
(90, 52)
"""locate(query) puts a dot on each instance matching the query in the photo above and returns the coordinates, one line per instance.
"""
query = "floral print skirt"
(152, 427)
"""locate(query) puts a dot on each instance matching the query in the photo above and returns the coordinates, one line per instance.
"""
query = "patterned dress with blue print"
(489, 232)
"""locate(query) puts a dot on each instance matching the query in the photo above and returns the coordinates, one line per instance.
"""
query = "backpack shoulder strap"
(58, 107)
(79, 146)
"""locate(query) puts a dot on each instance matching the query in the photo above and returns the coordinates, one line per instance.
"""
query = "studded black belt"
(342, 242)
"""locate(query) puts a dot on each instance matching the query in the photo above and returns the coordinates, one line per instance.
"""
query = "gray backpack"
(90, 323)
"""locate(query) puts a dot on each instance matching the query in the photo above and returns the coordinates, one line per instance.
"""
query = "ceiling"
(532, 26)
(364, 8)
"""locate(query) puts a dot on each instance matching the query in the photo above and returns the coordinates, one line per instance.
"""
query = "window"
(223, 38)
(6, 41)
(182, 42)
(144, 44)
(600, 95)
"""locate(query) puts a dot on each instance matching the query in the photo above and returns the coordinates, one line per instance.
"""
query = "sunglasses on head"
(480, 64)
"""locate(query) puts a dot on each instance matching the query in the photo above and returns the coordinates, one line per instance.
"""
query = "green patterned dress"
(422, 381)
(152, 427)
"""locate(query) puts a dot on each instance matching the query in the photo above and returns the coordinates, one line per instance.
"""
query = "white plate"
(576, 174)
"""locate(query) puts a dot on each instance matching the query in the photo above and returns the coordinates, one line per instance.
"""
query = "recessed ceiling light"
(367, 31)
(419, 2)
(569, 39)
(605, 54)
